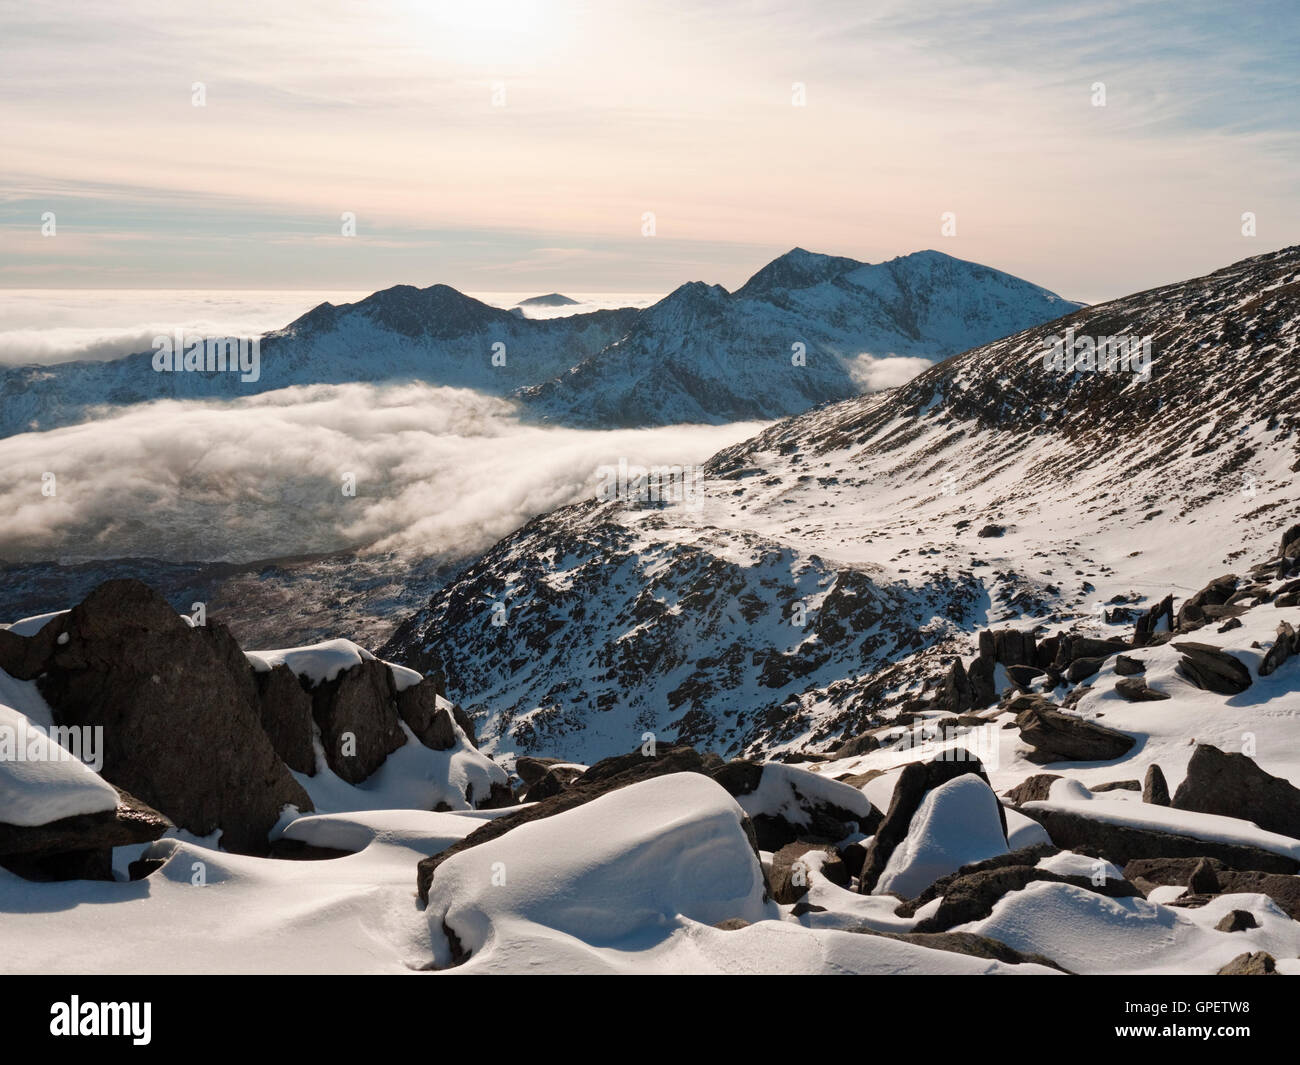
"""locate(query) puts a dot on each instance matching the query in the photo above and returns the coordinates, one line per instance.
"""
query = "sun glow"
(493, 31)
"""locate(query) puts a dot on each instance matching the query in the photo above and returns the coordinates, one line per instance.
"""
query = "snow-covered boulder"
(957, 824)
(786, 804)
(620, 872)
(40, 781)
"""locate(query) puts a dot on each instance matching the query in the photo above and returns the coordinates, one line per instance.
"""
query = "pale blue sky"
(387, 110)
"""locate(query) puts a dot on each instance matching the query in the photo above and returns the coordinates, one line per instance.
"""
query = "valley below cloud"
(437, 471)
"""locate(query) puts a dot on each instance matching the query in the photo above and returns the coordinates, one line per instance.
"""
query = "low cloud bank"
(875, 374)
(433, 471)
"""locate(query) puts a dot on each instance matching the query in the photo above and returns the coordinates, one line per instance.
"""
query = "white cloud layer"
(437, 471)
(874, 374)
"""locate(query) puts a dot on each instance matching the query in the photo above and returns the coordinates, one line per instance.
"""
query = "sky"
(519, 144)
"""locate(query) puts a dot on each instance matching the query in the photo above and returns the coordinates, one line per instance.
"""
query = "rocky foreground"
(1057, 803)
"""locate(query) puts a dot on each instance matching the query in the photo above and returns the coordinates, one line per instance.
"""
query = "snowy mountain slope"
(699, 355)
(434, 334)
(804, 330)
(861, 520)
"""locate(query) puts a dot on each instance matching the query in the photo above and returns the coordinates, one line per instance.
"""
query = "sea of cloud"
(437, 471)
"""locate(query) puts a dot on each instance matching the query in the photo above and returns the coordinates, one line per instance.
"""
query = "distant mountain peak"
(797, 268)
(551, 299)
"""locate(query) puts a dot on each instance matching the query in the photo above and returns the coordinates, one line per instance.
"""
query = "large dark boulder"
(1212, 669)
(357, 716)
(1083, 668)
(285, 709)
(1057, 736)
(182, 731)
(915, 781)
(1219, 782)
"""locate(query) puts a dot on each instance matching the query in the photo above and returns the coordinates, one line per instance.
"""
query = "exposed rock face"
(913, 784)
(1283, 648)
(1120, 844)
(1128, 667)
(1257, 964)
(1289, 547)
(1199, 609)
(955, 694)
(286, 716)
(357, 716)
(1026, 856)
(817, 820)
(791, 871)
(1219, 782)
(1212, 669)
(1149, 623)
(1060, 737)
(863, 744)
(418, 707)
(79, 847)
(972, 896)
(26, 657)
(1210, 877)
(181, 731)
(555, 781)
(1155, 789)
(1009, 647)
(530, 770)
(1135, 690)
(1237, 921)
(1032, 789)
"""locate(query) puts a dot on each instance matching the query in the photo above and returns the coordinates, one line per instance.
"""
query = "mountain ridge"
(988, 490)
(716, 356)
